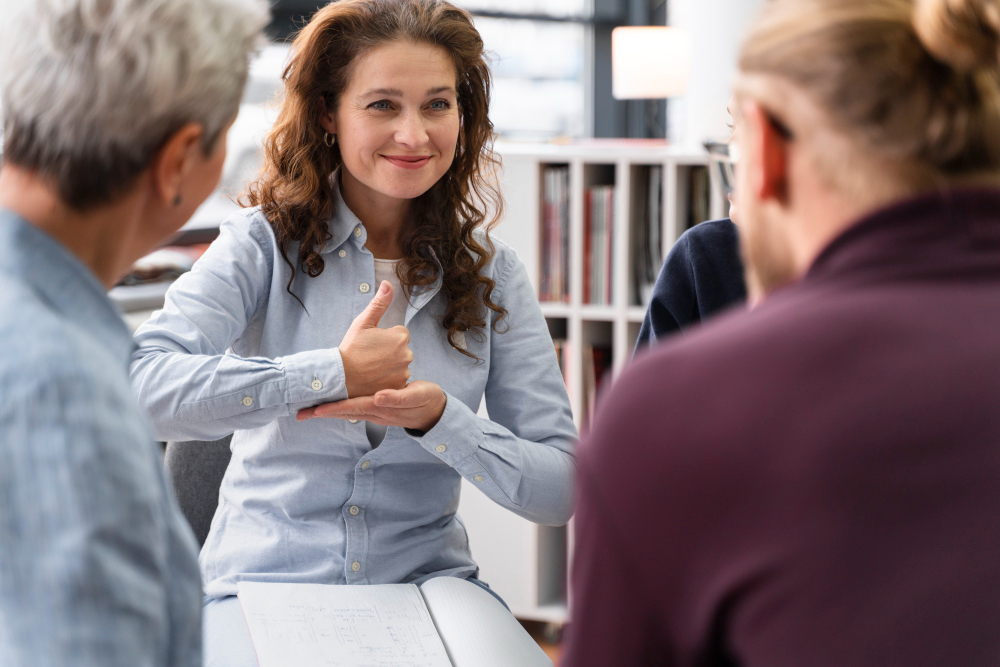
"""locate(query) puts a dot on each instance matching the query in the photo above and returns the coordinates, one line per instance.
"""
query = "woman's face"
(397, 121)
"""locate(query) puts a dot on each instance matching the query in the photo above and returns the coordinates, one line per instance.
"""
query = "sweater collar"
(959, 229)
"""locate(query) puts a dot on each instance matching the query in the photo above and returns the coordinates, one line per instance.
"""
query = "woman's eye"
(440, 105)
(381, 105)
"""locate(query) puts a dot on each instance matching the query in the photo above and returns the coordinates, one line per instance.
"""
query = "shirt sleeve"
(85, 563)
(523, 456)
(183, 377)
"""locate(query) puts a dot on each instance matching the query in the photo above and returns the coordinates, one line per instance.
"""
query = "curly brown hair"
(296, 194)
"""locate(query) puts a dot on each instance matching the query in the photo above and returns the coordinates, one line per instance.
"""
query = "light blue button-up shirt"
(312, 501)
(97, 566)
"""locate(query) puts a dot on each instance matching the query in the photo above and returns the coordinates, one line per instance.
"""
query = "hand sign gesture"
(419, 406)
(375, 358)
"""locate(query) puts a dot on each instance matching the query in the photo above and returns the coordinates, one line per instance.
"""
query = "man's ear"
(326, 119)
(768, 159)
(174, 160)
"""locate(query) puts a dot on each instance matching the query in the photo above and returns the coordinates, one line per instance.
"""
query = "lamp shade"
(649, 62)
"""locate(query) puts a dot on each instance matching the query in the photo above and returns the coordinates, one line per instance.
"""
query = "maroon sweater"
(814, 483)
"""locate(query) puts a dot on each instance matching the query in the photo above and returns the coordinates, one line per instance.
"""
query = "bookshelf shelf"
(550, 309)
(636, 315)
(599, 313)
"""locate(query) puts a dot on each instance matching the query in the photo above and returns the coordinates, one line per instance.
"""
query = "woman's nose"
(411, 130)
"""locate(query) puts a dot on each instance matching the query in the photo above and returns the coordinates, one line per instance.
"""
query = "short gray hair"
(92, 89)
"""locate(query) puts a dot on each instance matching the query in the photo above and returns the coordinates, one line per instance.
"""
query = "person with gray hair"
(115, 114)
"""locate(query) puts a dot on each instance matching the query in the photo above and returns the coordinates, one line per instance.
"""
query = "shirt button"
(357, 232)
(478, 478)
(440, 449)
(316, 385)
(353, 421)
(342, 253)
(354, 510)
(247, 401)
(355, 566)
(365, 287)
(365, 464)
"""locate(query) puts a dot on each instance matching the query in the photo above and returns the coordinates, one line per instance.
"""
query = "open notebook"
(445, 622)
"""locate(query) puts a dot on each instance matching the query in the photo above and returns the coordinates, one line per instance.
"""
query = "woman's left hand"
(419, 406)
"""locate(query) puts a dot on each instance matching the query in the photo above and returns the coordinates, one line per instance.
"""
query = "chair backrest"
(196, 469)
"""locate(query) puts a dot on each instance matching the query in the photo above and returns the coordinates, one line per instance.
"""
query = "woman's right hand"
(375, 359)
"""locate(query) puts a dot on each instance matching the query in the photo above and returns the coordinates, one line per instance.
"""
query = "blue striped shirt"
(97, 566)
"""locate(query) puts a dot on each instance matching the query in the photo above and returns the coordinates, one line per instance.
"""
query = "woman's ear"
(174, 160)
(326, 119)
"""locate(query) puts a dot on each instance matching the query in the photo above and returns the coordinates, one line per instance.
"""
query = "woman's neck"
(383, 217)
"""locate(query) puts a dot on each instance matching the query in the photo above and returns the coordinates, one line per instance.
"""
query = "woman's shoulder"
(249, 224)
(503, 259)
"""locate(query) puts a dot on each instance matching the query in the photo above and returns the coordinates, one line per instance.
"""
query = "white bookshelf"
(525, 563)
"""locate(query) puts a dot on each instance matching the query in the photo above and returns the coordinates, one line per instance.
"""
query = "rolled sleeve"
(182, 374)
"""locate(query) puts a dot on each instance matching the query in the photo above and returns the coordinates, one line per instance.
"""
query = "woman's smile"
(408, 161)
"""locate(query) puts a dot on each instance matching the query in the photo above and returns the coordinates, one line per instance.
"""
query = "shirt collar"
(61, 279)
(345, 226)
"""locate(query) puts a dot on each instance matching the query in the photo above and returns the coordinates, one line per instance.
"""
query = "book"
(645, 235)
(700, 197)
(555, 234)
(598, 244)
(596, 369)
(444, 622)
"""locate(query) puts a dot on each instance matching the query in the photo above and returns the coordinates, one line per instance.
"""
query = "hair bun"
(964, 34)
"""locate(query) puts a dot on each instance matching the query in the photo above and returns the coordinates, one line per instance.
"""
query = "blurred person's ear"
(767, 157)
(180, 155)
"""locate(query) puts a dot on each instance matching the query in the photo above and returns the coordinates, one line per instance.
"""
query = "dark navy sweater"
(702, 275)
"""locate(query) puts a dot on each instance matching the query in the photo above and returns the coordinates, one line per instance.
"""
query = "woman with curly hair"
(347, 326)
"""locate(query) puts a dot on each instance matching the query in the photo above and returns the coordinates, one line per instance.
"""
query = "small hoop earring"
(329, 139)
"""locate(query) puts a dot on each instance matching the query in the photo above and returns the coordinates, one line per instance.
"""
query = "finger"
(411, 396)
(373, 312)
(304, 414)
(352, 407)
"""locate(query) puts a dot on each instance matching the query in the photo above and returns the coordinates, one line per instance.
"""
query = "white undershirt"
(385, 269)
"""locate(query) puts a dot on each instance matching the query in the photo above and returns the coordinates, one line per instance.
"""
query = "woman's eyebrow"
(396, 92)
(392, 92)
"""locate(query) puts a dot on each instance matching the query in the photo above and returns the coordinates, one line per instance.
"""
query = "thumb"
(373, 312)
(392, 398)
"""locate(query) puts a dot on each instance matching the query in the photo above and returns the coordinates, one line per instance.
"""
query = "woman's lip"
(408, 161)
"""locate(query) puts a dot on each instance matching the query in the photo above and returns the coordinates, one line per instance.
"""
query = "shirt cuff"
(455, 437)
(314, 377)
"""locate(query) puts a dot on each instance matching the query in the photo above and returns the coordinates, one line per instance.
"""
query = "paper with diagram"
(446, 622)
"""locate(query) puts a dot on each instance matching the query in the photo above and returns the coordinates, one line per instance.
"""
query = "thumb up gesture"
(375, 358)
